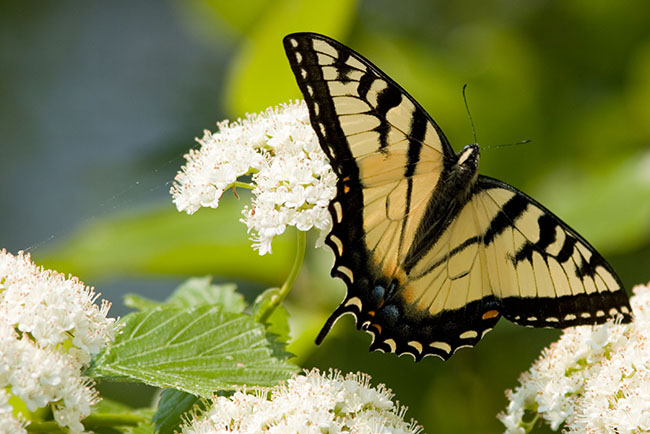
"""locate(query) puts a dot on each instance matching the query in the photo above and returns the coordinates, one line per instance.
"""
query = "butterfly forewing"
(428, 273)
(385, 149)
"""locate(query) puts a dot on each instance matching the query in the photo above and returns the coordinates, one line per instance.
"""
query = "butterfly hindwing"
(433, 254)
(504, 254)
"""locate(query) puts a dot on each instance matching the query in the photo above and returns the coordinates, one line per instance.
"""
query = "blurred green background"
(100, 100)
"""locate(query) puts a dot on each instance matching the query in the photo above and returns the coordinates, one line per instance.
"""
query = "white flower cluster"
(8, 422)
(593, 380)
(49, 329)
(293, 182)
(312, 403)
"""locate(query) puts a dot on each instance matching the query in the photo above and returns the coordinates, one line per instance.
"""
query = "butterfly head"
(469, 156)
(464, 172)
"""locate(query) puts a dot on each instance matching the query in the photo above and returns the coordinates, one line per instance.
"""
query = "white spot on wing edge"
(298, 57)
(339, 211)
(444, 346)
(346, 271)
(569, 317)
(416, 345)
(484, 332)
(409, 354)
(354, 301)
(434, 355)
(391, 344)
(613, 311)
(469, 334)
(293, 42)
(339, 244)
(462, 346)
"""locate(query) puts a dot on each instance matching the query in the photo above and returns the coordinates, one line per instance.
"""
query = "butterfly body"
(433, 253)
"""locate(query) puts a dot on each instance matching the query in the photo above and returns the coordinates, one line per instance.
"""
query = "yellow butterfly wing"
(433, 254)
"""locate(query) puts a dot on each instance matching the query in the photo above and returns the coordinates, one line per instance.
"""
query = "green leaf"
(172, 405)
(166, 242)
(196, 291)
(135, 301)
(198, 351)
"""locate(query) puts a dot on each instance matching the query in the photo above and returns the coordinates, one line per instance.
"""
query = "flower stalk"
(92, 422)
(277, 299)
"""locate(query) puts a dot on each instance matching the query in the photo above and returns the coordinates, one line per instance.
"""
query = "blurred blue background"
(100, 100)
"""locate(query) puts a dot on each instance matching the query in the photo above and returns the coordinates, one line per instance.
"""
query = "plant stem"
(288, 284)
(245, 185)
(94, 421)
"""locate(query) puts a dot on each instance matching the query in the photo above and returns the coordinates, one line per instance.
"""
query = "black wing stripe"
(508, 214)
(416, 137)
(364, 85)
(388, 98)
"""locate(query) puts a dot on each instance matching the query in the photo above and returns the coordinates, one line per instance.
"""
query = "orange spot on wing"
(346, 189)
(490, 314)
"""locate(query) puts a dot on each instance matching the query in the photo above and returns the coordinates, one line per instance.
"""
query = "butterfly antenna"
(469, 115)
(523, 142)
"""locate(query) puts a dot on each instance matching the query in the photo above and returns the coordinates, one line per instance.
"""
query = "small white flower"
(312, 403)
(292, 180)
(593, 379)
(50, 327)
(8, 422)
